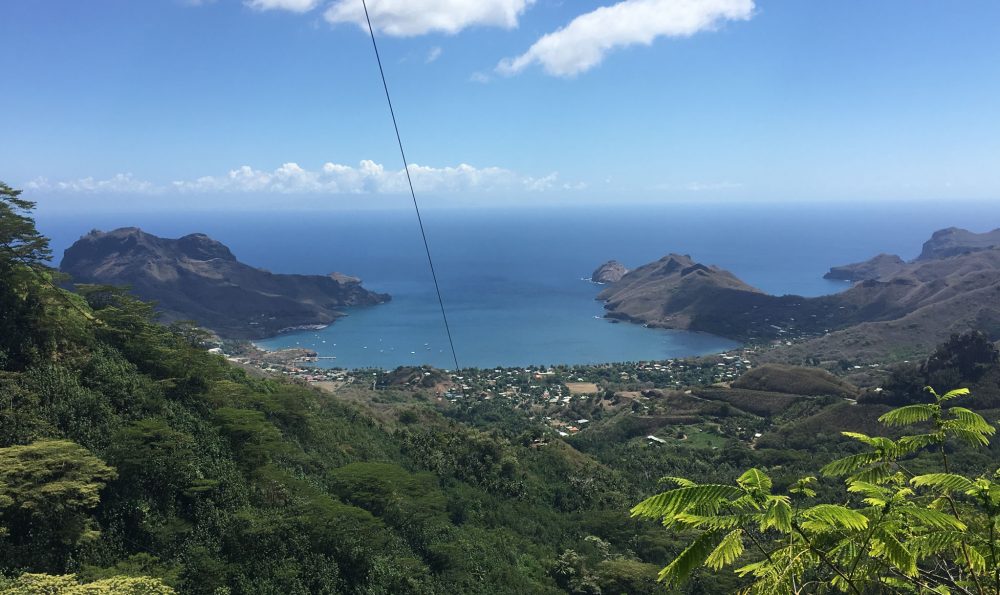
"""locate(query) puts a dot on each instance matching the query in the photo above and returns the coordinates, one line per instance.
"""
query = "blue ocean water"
(512, 279)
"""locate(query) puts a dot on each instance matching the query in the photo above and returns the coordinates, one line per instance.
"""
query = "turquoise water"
(512, 279)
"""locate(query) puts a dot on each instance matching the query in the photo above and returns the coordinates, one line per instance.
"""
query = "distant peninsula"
(895, 308)
(198, 278)
(883, 265)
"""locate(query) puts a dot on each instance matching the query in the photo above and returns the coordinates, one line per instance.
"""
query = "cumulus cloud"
(407, 18)
(583, 43)
(291, 5)
(367, 177)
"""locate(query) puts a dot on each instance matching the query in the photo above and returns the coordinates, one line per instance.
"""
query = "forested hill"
(132, 460)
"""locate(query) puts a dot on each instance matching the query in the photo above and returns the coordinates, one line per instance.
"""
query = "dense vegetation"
(127, 450)
(134, 461)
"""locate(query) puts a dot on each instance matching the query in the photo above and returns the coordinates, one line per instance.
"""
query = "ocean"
(514, 280)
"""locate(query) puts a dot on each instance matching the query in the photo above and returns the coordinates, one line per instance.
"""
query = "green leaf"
(680, 481)
(849, 464)
(708, 521)
(936, 542)
(728, 550)
(877, 474)
(691, 558)
(918, 441)
(683, 499)
(976, 558)
(934, 519)
(958, 392)
(778, 515)
(886, 545)
(868, 489)
(830, 516)
(972, 421)
(909, 414)
(970, 437)
(944, 481)
(755, 479)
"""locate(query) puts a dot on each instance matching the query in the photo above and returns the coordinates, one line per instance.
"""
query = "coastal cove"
(513, 279)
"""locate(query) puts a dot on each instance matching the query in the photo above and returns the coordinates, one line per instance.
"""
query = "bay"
(513, 279)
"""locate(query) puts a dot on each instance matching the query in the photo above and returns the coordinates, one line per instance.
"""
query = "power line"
(406, 167)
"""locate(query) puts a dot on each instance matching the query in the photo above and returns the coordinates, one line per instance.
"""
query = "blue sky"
(501, 101)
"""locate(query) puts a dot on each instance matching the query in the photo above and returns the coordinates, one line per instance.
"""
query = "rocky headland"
(883, 265)
(610, 272)
(954, 241)
(197, 278)
(952, 287)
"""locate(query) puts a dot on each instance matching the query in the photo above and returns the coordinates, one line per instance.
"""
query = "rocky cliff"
(954, 241)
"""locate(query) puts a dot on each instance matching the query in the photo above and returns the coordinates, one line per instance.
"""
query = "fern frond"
(972, 421)
(682, 499)
(976, 559)
(933, 518)
(778, 515)
(849, 464)
(877, 474)
(755, 479)
(935, 543)
(887, 546)
(917, 441)
(830, 516)
(708, 521)
(679, 481)
(972, 437)
(728, 550)
(868, 489)
(958, 392)
(944, 481)
(909, 414)
(691, 558)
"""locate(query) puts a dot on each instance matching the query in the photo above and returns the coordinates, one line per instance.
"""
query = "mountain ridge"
(196, 277)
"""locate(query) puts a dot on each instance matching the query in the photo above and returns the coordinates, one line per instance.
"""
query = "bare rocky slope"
(900, 314)
(197, 278)
(610, 272)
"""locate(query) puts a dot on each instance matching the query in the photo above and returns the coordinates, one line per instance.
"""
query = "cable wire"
(413, 195)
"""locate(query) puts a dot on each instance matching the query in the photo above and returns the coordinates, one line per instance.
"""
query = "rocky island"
(197, 278)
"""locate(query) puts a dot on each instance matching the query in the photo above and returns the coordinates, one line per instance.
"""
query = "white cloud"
(478, 77)
(290, 5)
(407, 18)
(711, 186)
(433, 54)
(119, 183)
(583, 43)
(367, 177)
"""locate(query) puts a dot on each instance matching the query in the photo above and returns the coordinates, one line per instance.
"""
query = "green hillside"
(134, 461)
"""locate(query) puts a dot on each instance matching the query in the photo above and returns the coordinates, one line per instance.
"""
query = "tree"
(20, 241)
(899, 530)
(47, 489)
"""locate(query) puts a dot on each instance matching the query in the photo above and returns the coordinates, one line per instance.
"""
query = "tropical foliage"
(900, 528)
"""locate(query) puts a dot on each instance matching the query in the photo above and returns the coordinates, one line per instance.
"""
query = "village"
(564, 397)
